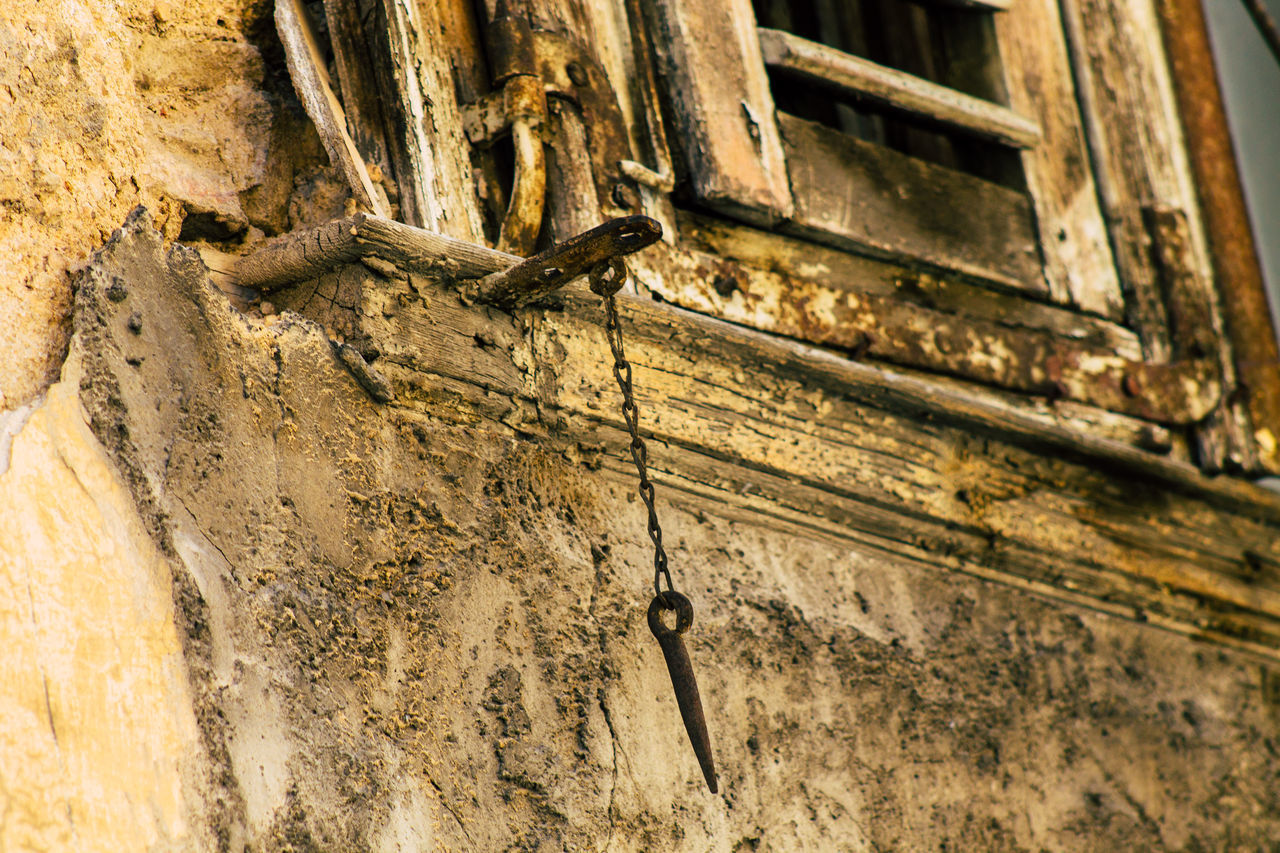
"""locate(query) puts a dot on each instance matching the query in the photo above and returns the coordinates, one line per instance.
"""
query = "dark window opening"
(953, 47)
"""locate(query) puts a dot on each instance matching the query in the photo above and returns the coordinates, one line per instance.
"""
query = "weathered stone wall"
(110, 104)
(247, 606)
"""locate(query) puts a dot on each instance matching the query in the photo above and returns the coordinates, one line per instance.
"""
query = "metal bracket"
(568, 71)
(557, 266)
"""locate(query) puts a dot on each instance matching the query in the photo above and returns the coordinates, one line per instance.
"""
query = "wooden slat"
(722, 105)
(857, 195)
(896, 89)
(311, 81)
(1079, 268)
(361, 98)
(760, 250)
(429, 147)
(987, 351)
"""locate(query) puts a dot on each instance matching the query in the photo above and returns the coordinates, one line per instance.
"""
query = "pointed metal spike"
(680, 669)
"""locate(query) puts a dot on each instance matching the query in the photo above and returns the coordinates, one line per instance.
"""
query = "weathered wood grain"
(857, 195)
(886, 328)
(1078, 264)
(362, 102)
(761, 250)
(310, 76)
(896, 89)
(1128, 107)
(430, 151)
(1126, 94)
(306, 254)
(722, 105)
(1250, 344)
(777, 430)
(781, 439)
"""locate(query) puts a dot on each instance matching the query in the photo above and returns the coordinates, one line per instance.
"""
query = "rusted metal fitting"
(564, 262)
(513, 63)
(524, 98)
(1131, 385)
(680, 668)
(510, 47)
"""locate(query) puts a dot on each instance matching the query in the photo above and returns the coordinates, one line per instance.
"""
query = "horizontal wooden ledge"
(306, 254)
(896, 89)
(899, 393)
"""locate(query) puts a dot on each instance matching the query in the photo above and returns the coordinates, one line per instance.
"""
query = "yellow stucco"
(98, 741)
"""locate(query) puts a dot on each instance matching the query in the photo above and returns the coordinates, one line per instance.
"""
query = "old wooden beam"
(308, 254)
(1234, 256)
(895, 89)
(886, 326)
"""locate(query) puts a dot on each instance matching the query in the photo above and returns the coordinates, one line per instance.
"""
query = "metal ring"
(670, 600)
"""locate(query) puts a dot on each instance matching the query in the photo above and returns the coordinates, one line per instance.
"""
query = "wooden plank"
(856, 195)
(785, 440)
(1078, 264)
(430, 150)
(896, 89)
(1127, 95)
(360, 96)
(310, 76)
(1250, 343)
(1024, 360)
(845, 271)
(710, 56)
(1127, 99)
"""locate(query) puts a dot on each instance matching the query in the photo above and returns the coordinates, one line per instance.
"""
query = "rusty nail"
(1130, 385)
(625, 197)
(724, 284)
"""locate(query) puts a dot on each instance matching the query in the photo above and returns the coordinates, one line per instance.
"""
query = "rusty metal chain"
(606, 279)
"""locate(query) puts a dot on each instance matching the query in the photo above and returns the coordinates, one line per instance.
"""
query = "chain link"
(606, 279)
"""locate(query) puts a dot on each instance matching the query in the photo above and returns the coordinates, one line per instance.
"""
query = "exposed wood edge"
(976, 5)
(311, 81)
(807, 261)
(738, 506)
(1035, 362)
(1231, 244)
(912, 396)
(307, 254)
(896, 89)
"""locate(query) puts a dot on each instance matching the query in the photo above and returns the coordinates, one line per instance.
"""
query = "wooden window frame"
(1114, 200)
(1107, 169)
